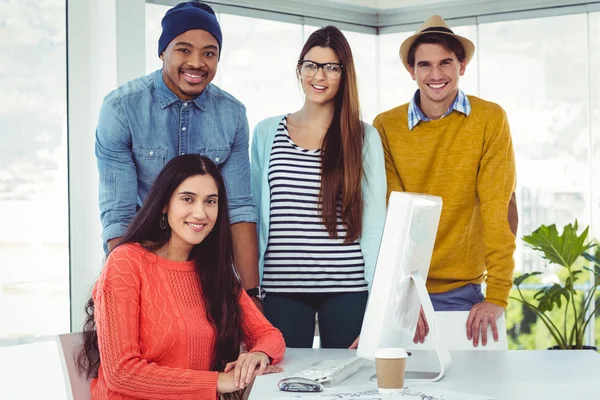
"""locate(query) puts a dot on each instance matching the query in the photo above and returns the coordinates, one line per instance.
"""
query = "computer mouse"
(297, 384)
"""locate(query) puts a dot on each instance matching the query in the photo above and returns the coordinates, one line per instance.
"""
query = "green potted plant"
(567, 251)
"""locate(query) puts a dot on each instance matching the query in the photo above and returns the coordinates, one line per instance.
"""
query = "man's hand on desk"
(480, 316)
(422, 328)
(354, 344)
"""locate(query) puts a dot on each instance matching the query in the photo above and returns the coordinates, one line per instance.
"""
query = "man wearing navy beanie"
(180, 24)
(172, 111)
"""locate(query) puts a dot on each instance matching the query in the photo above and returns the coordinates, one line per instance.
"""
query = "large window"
(545, 72)
(594, 144)
(522, 67)
(34, 257)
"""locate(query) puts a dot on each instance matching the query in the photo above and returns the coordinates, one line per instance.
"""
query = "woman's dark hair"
(342, 161)
(213, 257)
(446, 41)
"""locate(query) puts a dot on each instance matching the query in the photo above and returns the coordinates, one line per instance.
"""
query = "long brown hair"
(341, 155)
(213, 263)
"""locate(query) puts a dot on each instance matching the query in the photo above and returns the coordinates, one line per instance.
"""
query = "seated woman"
(168, 314)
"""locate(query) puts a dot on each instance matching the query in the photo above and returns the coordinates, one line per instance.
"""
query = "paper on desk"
(416, 392)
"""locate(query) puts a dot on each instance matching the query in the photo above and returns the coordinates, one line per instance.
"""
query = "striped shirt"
(415, 115)
(300, 256)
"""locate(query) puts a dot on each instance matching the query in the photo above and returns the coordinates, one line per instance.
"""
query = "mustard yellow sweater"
(468, 162)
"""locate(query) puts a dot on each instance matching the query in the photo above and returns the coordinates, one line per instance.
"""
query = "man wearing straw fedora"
(457, 147)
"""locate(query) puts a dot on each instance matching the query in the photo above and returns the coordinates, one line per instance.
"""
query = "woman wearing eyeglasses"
(318, 180)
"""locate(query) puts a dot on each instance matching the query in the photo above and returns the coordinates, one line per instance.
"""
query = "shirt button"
(151, 152)
(185, 104)
(183, 129)
(216, 158)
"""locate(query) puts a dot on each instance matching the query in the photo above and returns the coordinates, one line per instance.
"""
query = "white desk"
(505, 375)
(33, 372)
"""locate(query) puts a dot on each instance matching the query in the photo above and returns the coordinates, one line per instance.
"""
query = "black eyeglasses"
(331, 70)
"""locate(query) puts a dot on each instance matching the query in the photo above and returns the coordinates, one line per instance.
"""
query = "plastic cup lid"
(391, 352)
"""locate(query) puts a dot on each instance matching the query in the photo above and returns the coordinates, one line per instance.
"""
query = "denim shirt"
(143, 124)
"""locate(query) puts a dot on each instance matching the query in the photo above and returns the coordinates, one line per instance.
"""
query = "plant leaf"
(519, 279)
(595, 271)
(570, 281)
(562, 249)
(550, 296)
(593, 258)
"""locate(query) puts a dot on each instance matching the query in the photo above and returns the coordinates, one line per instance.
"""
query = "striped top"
(300, 256)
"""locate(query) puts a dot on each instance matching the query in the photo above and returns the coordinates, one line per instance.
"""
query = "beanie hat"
(187, 16)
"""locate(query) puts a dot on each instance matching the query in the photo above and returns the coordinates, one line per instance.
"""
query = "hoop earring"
(163, 222)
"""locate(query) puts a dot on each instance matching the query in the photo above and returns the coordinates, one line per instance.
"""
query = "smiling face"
(320, 88)
(192, 212)
(190, 63)
(436, 71)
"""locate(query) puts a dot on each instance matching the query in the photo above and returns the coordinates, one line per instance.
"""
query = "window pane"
(469, 81)
(522, 68)
(258, 65)
(154, 15)
(363, 47)
(396, 85)
(594, 38)
(34, 277)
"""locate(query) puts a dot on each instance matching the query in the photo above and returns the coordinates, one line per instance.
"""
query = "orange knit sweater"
(153, 333)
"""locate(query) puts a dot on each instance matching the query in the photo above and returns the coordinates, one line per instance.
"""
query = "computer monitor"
(398, 288)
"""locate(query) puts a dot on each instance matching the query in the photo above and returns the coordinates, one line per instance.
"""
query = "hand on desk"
(247, 367)
(422, 328)
(480, 316)
(226, 383)
(354, 344)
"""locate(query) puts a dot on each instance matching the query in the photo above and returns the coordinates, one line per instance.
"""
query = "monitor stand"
(443, 355)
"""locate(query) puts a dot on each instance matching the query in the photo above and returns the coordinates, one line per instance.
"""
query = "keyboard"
(331, 372)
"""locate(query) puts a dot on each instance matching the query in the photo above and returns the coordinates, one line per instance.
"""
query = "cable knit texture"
(153, 333)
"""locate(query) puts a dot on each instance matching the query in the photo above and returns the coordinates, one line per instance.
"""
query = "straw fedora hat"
(435, 24)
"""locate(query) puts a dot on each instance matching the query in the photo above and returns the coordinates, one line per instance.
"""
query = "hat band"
(437, 29)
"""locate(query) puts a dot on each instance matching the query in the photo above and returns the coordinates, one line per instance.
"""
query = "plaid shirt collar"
(415, 115)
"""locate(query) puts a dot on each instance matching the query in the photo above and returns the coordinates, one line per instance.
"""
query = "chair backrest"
(78, 387)
(452, 326)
